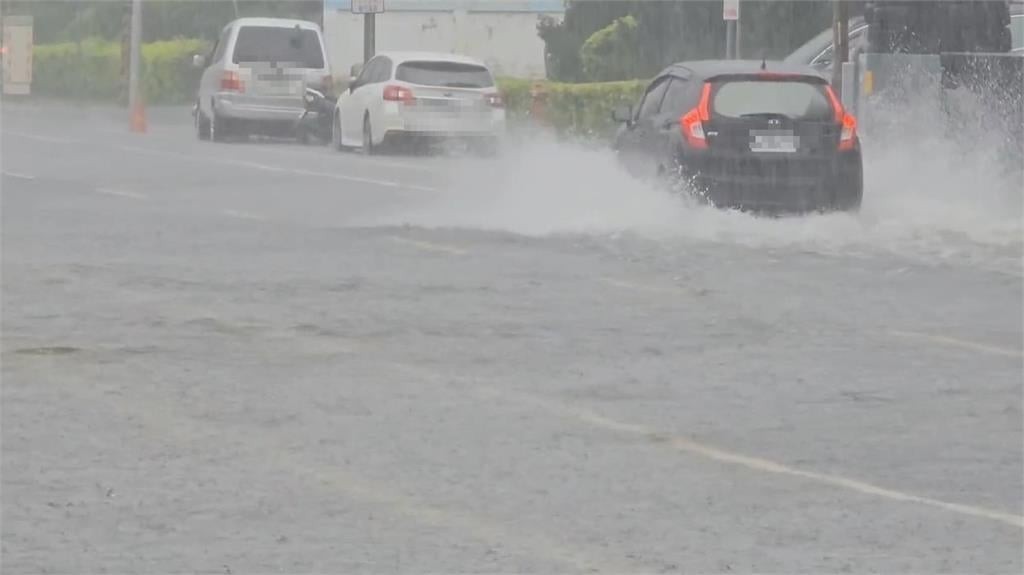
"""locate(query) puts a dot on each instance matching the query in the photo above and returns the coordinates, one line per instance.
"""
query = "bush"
(579, 110)
(91, 71)
(612, 52)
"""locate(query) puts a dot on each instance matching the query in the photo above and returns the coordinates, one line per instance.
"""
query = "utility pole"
(369, 35)
(138, 114)
(731, 15)
(840, 42)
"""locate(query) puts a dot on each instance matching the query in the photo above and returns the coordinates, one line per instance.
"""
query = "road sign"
(17, 55)
(730, 9)
(367, 6)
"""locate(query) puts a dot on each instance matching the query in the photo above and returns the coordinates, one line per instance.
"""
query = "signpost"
(138, 114)
(17, 55)
(369, 9)
(731, 15)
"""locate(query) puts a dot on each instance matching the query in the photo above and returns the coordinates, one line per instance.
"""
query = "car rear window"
(447, 74)
(793, 99)
(296, 47)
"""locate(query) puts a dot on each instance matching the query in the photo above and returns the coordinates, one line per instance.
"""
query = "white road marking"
(277, 169)
(244, 215)
(121, 194)
(17, 176)
(643, 288)
(960, 343)
(753, 463)
(430, 246)
(47, 139)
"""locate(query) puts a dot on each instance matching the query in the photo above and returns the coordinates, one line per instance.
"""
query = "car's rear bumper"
(259, 108)
(413, 122)
(777, 185)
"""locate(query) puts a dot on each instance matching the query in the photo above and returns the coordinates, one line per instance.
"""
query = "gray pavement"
(264, 357)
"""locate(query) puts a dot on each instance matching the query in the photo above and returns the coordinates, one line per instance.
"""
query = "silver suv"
(255, 77)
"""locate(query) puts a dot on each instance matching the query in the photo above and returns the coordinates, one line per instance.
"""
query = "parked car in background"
(255, 77)
(410, 97)
(766, 137)
(818, 51)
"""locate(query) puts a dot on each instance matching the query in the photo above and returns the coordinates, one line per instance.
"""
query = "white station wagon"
(402, 97)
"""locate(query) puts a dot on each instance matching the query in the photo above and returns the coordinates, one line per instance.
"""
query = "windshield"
(447, 74)
(792, 99)
(300, 48)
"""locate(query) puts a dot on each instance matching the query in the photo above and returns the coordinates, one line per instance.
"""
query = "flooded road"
(263, 357)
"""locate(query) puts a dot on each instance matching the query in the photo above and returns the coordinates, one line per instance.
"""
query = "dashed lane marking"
(244, 216)
(18, 176)
(430, 246)
(643, 288)
(47, 139)
(121, 194)
(758, 464)
(960, 343)
(277, 169)
(260, 166)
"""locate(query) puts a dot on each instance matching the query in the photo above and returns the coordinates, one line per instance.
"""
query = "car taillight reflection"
(399, 94)
(692, 122)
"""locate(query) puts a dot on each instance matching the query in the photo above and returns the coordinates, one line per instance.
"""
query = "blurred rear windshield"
(447, 74)
(793, 99)
(300, 48)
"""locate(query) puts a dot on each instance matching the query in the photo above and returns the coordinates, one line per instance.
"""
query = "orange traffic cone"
(139, 118)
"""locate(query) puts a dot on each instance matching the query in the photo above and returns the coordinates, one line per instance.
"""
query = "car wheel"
(336, 140)
(202, 125)
(368, 148)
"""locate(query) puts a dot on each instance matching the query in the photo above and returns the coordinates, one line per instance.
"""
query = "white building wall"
(507, 41)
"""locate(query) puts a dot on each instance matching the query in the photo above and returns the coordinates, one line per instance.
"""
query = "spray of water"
(927, 195)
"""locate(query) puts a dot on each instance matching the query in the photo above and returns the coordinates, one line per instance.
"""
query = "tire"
(368, 147)
(336, 141)
(202, 124)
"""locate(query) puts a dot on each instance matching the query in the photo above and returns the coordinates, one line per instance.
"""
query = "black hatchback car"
(750, 135)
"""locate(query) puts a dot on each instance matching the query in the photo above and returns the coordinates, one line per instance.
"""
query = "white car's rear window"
(294, 47)
(447, 74)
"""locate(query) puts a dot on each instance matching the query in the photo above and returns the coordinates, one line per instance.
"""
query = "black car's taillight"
(692, 122)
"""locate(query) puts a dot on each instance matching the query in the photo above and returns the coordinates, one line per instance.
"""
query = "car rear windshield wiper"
(460, 85)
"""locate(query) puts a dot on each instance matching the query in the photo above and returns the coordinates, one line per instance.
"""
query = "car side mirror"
(623, 114)
(198, 61)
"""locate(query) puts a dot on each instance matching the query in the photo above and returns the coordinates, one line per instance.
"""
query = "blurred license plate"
(773, 141)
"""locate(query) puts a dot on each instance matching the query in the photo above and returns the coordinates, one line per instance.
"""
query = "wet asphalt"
(236, 358)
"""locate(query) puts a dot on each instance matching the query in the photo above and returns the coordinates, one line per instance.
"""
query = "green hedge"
(579, 110)
(91, 71)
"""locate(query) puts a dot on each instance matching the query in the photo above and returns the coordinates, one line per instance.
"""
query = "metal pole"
(837, 31)
(369, 35)
(730, 39)
(134, 98)
(739, 32)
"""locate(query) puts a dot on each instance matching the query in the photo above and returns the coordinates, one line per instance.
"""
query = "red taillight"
(399, 94)
(847, 122)
(231, 82)
(495, 100)
(848, 135)
(692, 122)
